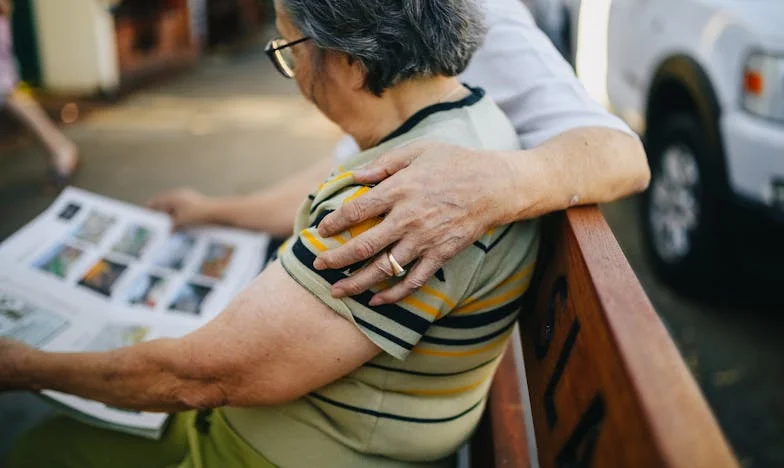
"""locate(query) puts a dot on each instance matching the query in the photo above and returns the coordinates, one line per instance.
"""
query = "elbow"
(637, 174)
(207, 380)
(266, 391)
(239, 388)
(641, 178)
(201, 395)
(189, 378)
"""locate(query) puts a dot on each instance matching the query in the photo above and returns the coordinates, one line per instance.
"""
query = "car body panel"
(717, 37)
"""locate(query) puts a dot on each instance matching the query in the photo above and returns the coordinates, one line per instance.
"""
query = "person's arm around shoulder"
(468, 192)
(577, 154)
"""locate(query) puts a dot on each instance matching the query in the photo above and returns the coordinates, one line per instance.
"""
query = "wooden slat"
(505, 419)
(608, 387)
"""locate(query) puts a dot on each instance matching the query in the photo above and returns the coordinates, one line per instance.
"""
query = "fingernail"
(375, 301)
(338, 292)
(319, 264)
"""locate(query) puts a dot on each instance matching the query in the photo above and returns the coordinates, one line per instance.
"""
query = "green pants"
(64, 442)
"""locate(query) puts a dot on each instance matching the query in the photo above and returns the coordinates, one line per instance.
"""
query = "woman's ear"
(357, 73)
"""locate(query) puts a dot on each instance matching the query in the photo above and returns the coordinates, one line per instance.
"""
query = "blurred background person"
(63, 154)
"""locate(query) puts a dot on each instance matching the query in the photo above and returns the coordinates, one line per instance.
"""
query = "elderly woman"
(300, 378)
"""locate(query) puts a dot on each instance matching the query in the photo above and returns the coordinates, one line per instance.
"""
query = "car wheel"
(681, 206)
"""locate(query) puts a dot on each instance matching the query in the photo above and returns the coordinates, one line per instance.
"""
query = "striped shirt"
(419, 400)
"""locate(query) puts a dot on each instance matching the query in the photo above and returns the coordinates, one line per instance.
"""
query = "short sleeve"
(395, 328)
(525, 75)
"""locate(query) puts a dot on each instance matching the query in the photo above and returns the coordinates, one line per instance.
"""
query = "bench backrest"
(607, 386)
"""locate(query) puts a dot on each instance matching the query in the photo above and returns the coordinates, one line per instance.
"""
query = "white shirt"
(525, 75)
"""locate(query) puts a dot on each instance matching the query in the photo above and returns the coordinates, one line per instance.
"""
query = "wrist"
(520, 194)
(23, 368)
(213, 210)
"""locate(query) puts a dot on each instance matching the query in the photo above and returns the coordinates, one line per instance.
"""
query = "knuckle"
(351, 287)
(414, 282)
(354, 212)
(328, 258)
(327, 224)
(365, 249)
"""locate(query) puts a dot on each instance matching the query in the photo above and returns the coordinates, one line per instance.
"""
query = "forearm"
(579, 167)
(153, 376)
(271, 210)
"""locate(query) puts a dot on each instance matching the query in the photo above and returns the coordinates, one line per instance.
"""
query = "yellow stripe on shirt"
(359, 192)
(433, 292)
(313, 241)
(446, 391)
(514, 278)
(493, 301)
(421, 306)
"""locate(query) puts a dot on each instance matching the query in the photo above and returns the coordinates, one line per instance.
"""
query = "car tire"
(681, 208)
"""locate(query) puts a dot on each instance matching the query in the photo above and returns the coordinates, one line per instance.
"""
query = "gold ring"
(396, 268)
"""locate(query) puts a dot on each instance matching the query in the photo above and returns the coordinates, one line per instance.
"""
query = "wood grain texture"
(608, 387)
(506, 418)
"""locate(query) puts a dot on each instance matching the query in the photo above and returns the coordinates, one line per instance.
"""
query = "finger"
(360, 248)
(154, 202)
(373, 273)
(419, 275)
(372, 204)
(161, 202)
(389, 163)
(360, 281)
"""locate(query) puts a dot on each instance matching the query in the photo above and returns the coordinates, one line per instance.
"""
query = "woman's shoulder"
(481, 125)
(503, 251)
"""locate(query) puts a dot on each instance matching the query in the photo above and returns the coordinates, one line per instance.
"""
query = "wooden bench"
(607, 385)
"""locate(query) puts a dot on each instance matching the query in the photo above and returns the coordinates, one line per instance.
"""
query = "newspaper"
(91, 273)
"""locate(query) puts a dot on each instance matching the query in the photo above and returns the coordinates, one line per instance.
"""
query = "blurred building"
(86, 47)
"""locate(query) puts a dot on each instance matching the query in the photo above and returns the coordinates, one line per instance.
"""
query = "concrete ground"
(231, 125)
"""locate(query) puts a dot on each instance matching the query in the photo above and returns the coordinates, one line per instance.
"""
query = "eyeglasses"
(279, 52)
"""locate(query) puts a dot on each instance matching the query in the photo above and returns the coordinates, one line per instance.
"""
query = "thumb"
(389, 163)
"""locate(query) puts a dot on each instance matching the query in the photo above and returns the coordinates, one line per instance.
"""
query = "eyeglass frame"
(272, 50)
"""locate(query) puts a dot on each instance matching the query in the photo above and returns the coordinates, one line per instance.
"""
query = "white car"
(703, 82)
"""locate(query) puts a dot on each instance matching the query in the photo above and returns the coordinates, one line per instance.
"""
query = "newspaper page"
(93, 274)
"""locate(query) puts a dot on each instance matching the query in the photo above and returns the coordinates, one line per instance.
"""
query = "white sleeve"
(525, 75)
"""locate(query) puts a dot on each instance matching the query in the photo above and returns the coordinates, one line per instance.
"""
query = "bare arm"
(468, 192)
(579, 167)
(271, 210)
(273, 344)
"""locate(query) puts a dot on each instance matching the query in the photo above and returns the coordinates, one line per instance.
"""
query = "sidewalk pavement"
(231, 125)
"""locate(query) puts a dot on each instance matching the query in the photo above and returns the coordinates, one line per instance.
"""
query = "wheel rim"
(674, 204)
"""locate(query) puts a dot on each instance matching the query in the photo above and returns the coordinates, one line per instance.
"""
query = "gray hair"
(394, 39)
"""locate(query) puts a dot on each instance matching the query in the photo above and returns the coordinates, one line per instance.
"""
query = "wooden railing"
(607, 385)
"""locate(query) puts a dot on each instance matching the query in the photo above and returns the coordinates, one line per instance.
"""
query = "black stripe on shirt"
(321, 217)
(479, 319)
(383, 333)
(428, 374)
(495, 242)
(476, 95)
(467, 341)
(393, 312)
(396, 417)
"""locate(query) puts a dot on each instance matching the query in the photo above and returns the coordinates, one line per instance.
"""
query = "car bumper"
(754, 149)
